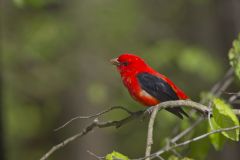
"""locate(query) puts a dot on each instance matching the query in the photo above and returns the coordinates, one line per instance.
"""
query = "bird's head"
(129, 64)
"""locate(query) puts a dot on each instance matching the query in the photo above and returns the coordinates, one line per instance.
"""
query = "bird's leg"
(150, 109)
(148, 112)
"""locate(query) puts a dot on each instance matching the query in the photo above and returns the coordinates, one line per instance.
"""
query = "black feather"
(161, 90)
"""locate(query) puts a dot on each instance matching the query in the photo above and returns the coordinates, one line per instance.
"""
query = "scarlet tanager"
(146, 85)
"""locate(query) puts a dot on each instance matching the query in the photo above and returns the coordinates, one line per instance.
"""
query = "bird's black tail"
(178, 112)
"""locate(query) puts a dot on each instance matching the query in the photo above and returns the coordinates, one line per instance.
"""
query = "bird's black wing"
(159, 89)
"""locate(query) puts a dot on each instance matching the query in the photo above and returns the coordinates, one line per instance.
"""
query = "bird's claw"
(148, 112)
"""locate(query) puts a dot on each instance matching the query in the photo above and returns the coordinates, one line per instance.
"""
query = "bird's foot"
(148, 112)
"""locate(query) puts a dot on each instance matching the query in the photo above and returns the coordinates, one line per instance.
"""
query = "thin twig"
(95, 156)
(234, 97)
(93, 116)
(222, 85)
(236, 111)
(176, 153)
(150, 132)
(90, 127)
(174, 146)
(233, 93)
(186, 131)
(194, 139)
(161, 158)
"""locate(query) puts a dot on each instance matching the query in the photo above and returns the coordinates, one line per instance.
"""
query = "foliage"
(223, 117)
(217, 139)
(176, 158)
(116, 156)
(194, 150)
(234, 56)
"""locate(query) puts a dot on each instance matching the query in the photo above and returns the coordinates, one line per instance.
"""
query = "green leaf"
(225, 118)
(217, 139)
(176, 158)
(200, 149)
(186, 158)
(116, 156)
(234, 56)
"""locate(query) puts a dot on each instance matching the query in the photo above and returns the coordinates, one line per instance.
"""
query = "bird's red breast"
(137, 92)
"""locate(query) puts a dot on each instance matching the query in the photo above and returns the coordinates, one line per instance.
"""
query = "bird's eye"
(125, 63)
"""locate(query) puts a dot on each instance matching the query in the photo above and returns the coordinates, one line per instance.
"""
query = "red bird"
(146, 85)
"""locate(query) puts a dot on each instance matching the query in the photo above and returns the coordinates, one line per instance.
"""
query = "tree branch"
(174, 146)
(90, 127)
(216, 90)
(186, 131)
(96, 156)
(193, 140)
(178, 103)
(150, 132)
(223, 84)
(133, 115)
(94, 115)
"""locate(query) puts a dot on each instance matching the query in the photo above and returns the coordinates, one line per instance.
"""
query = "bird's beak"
(115, 62)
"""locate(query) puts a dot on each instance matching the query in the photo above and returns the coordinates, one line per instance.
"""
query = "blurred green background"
(54, 65)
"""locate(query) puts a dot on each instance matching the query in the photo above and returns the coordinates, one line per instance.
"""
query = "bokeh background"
(54, 62)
